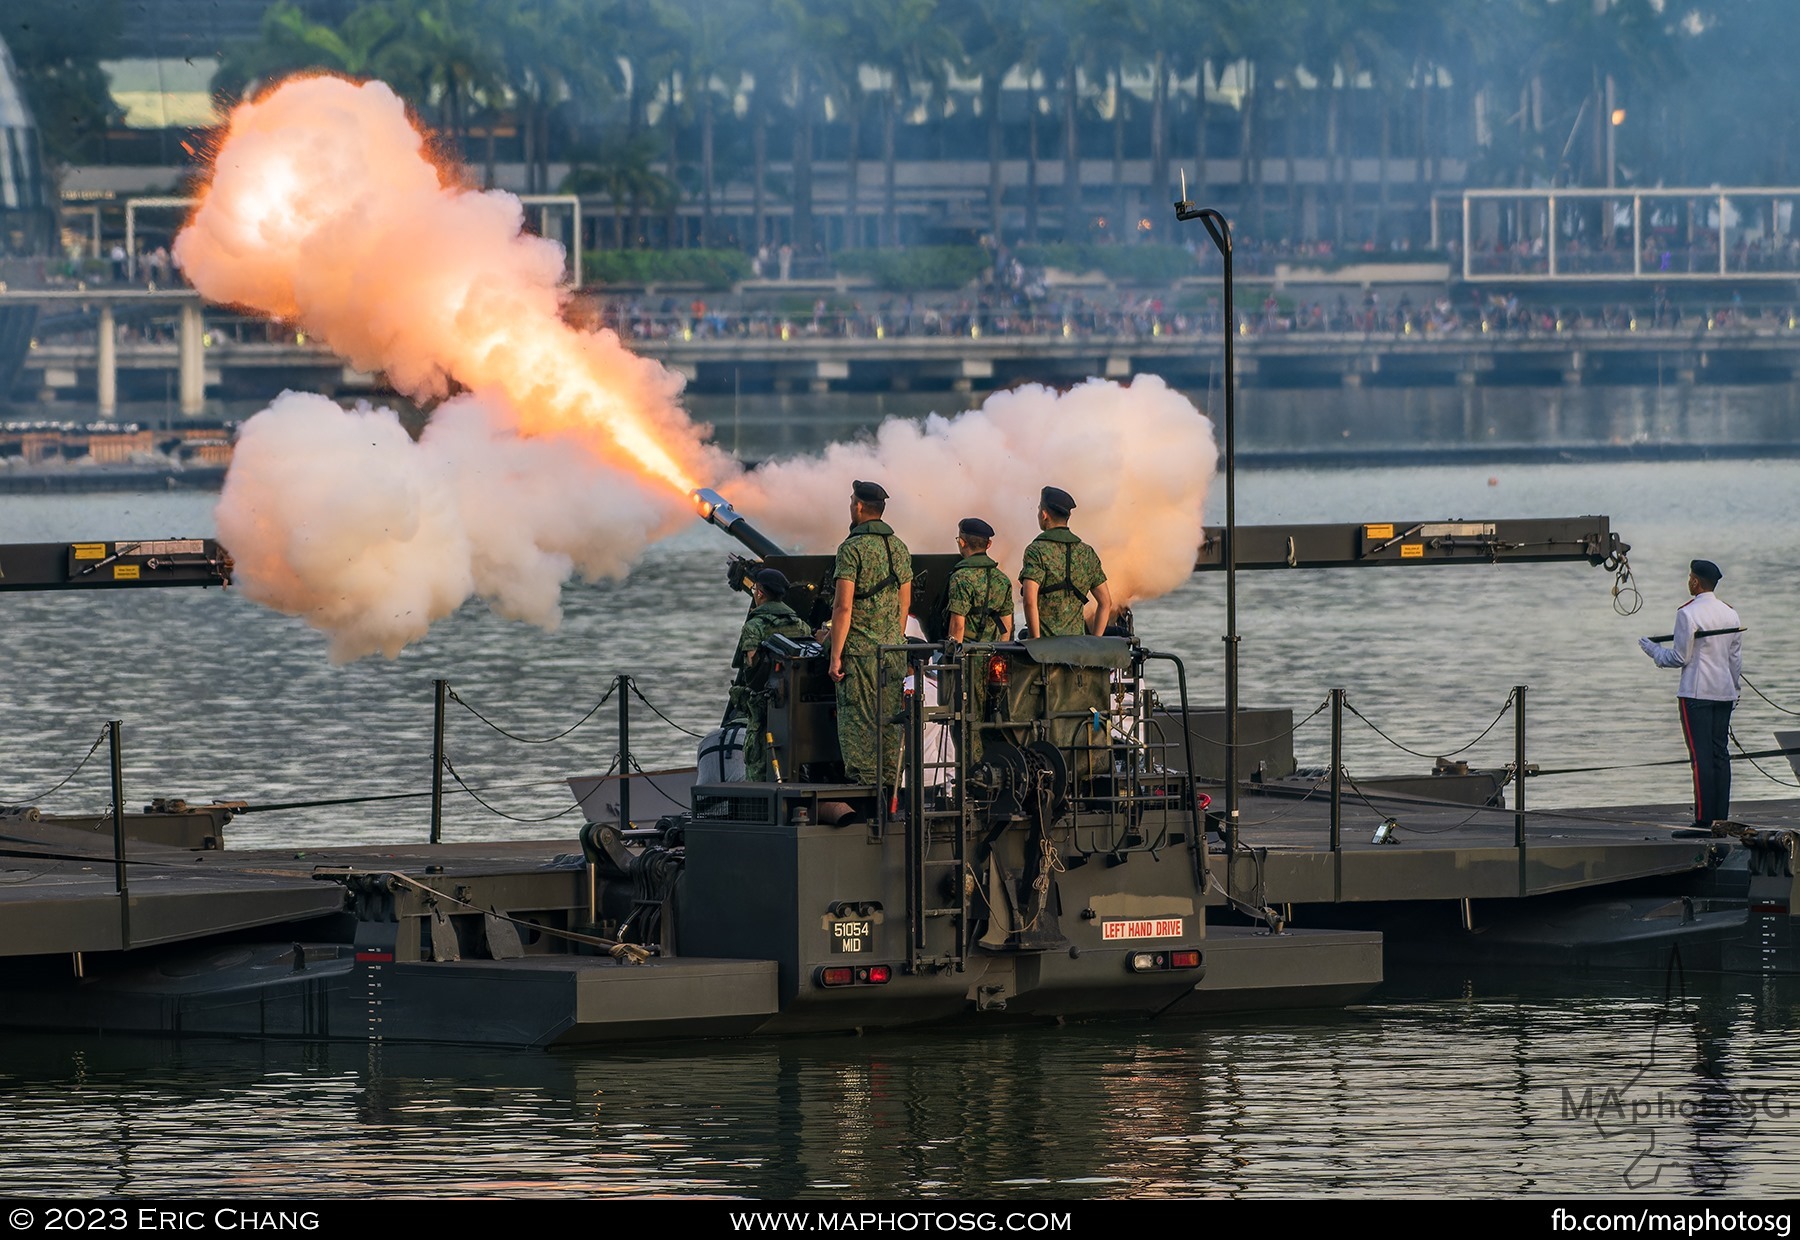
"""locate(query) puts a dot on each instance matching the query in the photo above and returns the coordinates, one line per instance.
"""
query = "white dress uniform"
(1712, 675)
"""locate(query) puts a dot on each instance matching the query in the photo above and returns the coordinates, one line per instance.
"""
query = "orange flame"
(325, 207)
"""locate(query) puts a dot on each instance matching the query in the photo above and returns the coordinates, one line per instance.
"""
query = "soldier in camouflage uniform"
(873, 593)
(769, 616)
(981, 601)
(1059, 573)
(980, 605)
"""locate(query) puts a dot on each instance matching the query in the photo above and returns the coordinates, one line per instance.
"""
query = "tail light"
(1162, 962)
(855, 975)
(999, 670)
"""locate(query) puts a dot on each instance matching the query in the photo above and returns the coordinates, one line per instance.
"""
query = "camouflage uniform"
(981, 594)
(878, 564)
(1066, 570)
(752, 705)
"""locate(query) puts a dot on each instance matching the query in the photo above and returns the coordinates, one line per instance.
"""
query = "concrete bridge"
(89, 342)
(173, 333)
(1762, 353)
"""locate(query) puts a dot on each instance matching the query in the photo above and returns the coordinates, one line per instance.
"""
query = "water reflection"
(1445, 1087)
(1272, 420)
(1451, 1086)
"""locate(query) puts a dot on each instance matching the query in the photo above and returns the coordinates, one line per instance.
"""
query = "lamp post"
(1219, 229)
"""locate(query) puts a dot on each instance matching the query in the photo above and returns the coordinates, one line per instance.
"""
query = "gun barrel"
(715, 509)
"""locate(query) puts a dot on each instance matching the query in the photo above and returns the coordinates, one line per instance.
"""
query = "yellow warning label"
(1378, 531)
(125, 572)
(1412, 551)
(90, 551)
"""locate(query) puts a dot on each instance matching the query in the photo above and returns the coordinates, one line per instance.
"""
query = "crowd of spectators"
(1530, 257)
(1136, 315)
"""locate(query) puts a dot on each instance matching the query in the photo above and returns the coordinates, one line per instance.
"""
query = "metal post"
(622, 687)
(1637, 234)
(121, 881)
(437, 762)
(106, 364)
(881, 799)
(1467, 233)
(1550, 233)
(1337, 770)
(1219, 229)
(1721, 234)
(917, 843)
(193, 360)
(1519, 770)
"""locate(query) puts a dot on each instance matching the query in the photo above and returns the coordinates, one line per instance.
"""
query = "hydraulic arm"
(114, 565)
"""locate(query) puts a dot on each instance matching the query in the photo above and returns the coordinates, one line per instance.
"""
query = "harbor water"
(1442, 1085)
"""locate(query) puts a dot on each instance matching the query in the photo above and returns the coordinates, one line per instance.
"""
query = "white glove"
(1648, 647)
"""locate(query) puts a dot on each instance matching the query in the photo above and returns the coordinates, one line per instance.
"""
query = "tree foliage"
(1506, 92)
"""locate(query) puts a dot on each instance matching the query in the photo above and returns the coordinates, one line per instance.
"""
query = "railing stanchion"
(440, 688)
(1519, 780)
(623, 689)
(121, 881)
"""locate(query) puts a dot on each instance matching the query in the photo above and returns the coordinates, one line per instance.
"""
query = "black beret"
(773, 581)
(1057, 500)
(1706, 570)
(868, 492)
(974, 527)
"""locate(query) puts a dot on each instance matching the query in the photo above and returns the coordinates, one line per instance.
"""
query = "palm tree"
(714, 44)
(844, 85)
(288, 41)
(624, 170)
(1070, 23)
(1267, 40)
(813, 31)
(1343, 42)
(435, 53)
(1621, 41)
(911, 43)
(554, 53)
(1198, 37)
(994, 36)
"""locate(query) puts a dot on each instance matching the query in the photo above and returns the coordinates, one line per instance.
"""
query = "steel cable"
(1751, 759)
(1351, 707)
(500, 812)
(1748, 755)
(1321, 782)
(528, 740)
(1220, 744)
(30, 801)
(1765, 697)
(639, 694)
(1389, 817)
(650, 779)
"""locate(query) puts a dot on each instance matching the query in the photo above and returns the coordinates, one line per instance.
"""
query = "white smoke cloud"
(340, 517)
(1136, 458)
(570, 453)
(325, 208)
